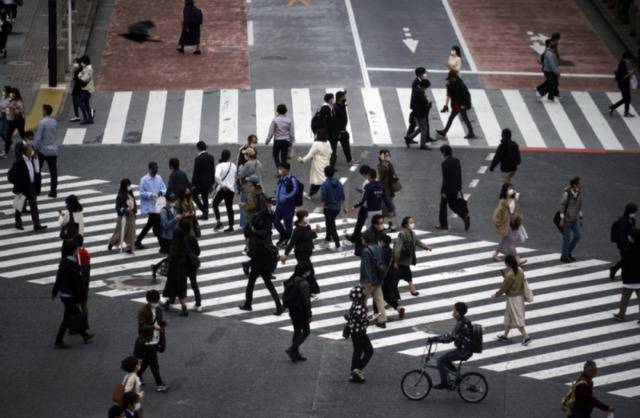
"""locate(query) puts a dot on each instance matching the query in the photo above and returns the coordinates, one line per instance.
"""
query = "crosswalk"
(570, 320)
(378, 116)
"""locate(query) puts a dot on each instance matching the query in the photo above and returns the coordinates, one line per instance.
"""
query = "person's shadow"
(139, 32)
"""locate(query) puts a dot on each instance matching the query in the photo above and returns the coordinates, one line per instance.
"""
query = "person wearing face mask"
(420, 73)
(320, 156)
(507, 155)
(333, 200)
(76, 91)
(126, 210)
(620, 234)
(390, 292)
(252, 168)
(623, 79)
(151, 188)
(26, 179)
(4, 102)
(298, 301)
(88, 88)
(169, 219)
(460, 103)
(252, 142)
(630, 273)
(570, 222)
(302, 243)
(46, 145)
(15, 115)
(372, 273)
(341, 135)
(286, 191)
(131, 382)
(186, 208)
(281, 131)
(420, 108)
(151, 340)
(404, 252)
(454, 63)
(507, 218)
(225, 189)
(451, 190)
(513, 287)
(390, 181)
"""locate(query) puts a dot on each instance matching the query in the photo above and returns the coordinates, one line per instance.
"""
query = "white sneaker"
(74, 119)
(197, 308)
(306, 196)
(337, 249)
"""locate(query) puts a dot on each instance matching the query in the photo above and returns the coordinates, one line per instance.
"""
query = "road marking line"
(486, 117)
(572, 369)
(358, 44)
(191, 116)
(404, 97)
(483, 169)
(563, 125)
(456, 28)
(250, 32)
(632, 123)
(594, 117)
(265, 111)
(301, 103)
(117, 119)
(64, 186)
(487, 72)
(630, 392)
(154, 117)
(334, 90)
(228, 118)
(490, 156)
(523, 118)
(375, 115)
(455, 135)
(74, 136)
(608, 379)
(474, 183)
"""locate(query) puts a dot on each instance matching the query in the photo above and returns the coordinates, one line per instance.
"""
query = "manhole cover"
(137, 282)
(20, 63)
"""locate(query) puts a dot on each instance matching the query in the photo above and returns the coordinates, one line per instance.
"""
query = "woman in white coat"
(320, 156)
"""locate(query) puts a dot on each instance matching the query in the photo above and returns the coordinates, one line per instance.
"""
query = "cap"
(253, 179)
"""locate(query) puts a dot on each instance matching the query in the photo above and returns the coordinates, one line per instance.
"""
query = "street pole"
(53, 45)
(70, 35)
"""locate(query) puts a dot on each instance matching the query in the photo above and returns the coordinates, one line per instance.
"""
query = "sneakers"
(245, 307)
(75, 119)
(441, 386)
(564, 259)
(218, 226)
(197, 308)
(306, 196)
(618, 317)
(442, 228)
(629, 115)
(337, 250)
(38, 228)
(502, 337)
(86, 338)
(525, 341)
(162, 388)
(184, 311)
(441, 132)
(356, 376)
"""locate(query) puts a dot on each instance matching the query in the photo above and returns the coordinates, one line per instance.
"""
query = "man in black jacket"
(177, 179)
(300, 309)
(451, 190)
(339, 130)
(508, 155)
(326, 118)
(460, 103)
(203, 179)
(68, 285)
(421, 73)
(420, 107)
(26, 179)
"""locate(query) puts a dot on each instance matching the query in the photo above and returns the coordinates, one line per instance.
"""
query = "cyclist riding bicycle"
(461, 336)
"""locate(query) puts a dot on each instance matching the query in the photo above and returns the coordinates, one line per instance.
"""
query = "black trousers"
(453, 200)
(301, 330)
(150, 359)
(201, 199)
(227, 196)
(193, 279)
(315, 188)
(71, 309)
(550, 85)
(463, 116)
(617, 266)
(362, 350)
(85, 106)
(32, 201)
(280, 151)
(52, 163)
(343, 140)
(266, 277)
(626, 100)
(412, 124)
(75, 99)
(13, 125)
(11, 10)
(330, 216)
(153, 223)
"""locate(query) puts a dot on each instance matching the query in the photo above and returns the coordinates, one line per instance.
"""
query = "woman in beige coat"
(513, 288)
(507, 217)
(320, 156)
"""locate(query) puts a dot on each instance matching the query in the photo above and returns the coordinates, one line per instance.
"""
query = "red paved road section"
(496, 33)
(224, 62)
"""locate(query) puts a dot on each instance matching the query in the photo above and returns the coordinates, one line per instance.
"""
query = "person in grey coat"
(46, 144)
(371, 276)
(551, 71)
(571, 218)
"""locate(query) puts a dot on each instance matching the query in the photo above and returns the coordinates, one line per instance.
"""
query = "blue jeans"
(243, 211)
(445, 361)
(284, 213)
(570, 237)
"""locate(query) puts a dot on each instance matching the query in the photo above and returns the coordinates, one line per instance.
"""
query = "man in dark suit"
(151, 326)
(26, 180)
(451, 191)
(177, 179)
(421, 73)
(203, 179)
(420, 107)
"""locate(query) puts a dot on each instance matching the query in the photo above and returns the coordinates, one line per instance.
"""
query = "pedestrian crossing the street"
(570, 320)
(377, 116)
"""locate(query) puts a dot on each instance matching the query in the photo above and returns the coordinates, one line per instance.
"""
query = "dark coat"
(302, 241)
(145, 322)
(624, 83)
(19, 176)
(459, 93)
(259, 250)
(451, 176)
(302, 303)
(68, 280)
(631, 264)
(625, 226)
(340, 118)
(419, 103)
(507, 155)
(204, 168)
(191, 21)
(327, 117)
(121, 205)
(177, 180)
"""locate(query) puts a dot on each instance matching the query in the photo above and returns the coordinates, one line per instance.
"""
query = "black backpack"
(615, 230)
(291, 295)
(316, 121)
(298, 198)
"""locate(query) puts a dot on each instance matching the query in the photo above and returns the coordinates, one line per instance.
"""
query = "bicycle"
(472, 387)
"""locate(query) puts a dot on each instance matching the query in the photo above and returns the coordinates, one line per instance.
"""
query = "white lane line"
(74, 136)
(191, 117)
(375, 115)
(573, 369)
(404, 97)
(154, 117)
(265, 111)
(594, 117)
(630, 392)
(65, 186)
(334, 90)
(250, 32)
(632, 123)
(523, 118)
(487, 72)
(563, 125)
(358, 44)
(486, 117)
(301, 103)
(456, 134)
(117, 119)
(463, 43)
(608, 379)
(490, 156)
(474, 183)
(483, 169)
(45, 180)
(228, 118)
(41, 199)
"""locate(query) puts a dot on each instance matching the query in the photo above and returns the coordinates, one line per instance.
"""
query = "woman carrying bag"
(507, 217)
(320, 156)
(516, 289)
(126, 209)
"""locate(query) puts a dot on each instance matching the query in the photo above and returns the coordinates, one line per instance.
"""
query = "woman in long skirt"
(176, 284)
(507, 217)
(513, 286)
(126, 209)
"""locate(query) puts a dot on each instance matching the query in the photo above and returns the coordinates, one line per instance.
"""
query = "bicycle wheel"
(473, 387)
(416, 385)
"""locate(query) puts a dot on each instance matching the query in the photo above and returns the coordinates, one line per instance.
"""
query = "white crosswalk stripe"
(573, 119)
(570, 319)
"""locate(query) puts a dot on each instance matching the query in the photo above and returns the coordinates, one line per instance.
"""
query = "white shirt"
(32, 174)
(226, 175)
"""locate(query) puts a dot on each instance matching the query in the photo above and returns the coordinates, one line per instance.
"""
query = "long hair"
(504, 191)
(512, 262)
(72, 203)
(124, 184)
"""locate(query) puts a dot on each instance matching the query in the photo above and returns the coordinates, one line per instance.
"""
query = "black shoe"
(442, 228)
(470, 135)
(282, 243)
(279, 310)
(139, 246)
(291, 355)
(629, 115)
(441, 386)
(109, 247)
(203, 217)
(612, 273)
(197, 52)
(52, 195)
(424, 147)
(153, 271)
(218, 226)
(564, 259)
(229, 229)
(86, 122)
(571, 258)
(61, 346)
(441, 132)
(245, 307)
(467, 222)
(180, 50)
(184, 311)
(381, 325)
(19, 226)
(300, 357)
(86, 338)
(166, 306)
(38, 228)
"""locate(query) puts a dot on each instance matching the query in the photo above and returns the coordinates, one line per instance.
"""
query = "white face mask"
(387, 158)
(411, 225)
(632, 215)
(280, 172)
(511, 192)
(154, 305)
(453, 53)
(305, 220)
(137, 406)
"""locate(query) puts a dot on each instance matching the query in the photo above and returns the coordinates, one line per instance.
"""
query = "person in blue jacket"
(285, 203)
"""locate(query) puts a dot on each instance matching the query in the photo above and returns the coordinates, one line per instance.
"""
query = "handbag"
(18, 202)
(521, 234)
(70, 229)
(346, 331)
(396, 186)
(557, 217)
(528, 293)
(117, 394)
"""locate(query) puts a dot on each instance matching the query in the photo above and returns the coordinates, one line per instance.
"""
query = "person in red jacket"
(585, 401)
